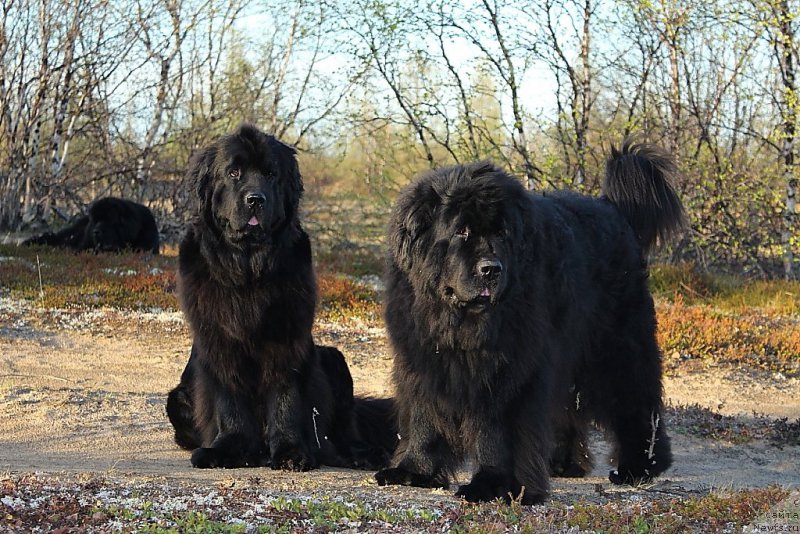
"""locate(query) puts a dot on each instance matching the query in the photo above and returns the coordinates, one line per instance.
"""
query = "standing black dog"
(110, 225)
(517, 318)
(256, 390)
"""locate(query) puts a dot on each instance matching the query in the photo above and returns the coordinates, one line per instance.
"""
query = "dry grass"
(715, 512)
(343, 298)
(725, 293)
(700, 421)
(750, 338)
(68, 279)
(702, 319)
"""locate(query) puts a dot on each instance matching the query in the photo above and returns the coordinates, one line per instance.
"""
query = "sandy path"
(85, 394)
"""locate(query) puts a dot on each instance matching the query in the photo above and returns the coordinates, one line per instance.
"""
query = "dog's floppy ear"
(410, 223)
(287, 155)
(198, 176)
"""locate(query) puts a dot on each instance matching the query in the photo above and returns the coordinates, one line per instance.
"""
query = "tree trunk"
(582, 129)
(784, 48)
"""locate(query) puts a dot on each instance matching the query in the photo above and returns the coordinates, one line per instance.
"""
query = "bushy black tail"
(375, 423)
(371, 424)
(638, 181)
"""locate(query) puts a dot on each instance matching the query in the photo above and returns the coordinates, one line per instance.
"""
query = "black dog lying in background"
(111, 225)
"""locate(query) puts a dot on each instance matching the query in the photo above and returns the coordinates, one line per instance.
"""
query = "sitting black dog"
(111, 225)
(256, 390)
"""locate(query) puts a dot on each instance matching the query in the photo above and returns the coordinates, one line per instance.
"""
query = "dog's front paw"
(394, 476)
(632, 477)
(293, 458)
(479, 492)
(490, 485)
(211, 457)
(207, 458)
(397, 476)
(487, 487)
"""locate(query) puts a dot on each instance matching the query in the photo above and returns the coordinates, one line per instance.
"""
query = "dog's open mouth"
(256, 223)
(483, 299)
(251, 229)
(475, 302)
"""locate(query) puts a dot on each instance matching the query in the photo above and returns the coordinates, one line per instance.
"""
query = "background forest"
(102, 97)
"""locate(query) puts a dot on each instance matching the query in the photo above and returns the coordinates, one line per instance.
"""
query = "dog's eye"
(234, 173)
(463, 233)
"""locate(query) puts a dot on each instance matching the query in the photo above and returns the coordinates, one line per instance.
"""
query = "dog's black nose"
(489, 268)
(255, 200)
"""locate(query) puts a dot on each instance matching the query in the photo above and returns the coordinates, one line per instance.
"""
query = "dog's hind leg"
(571, 457)
(180, 408)
(180, 413)
(626, 399)
(643, 448)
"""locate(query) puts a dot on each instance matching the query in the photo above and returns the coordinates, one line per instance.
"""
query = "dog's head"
(456, 234)
(111, 226)
(248, 185)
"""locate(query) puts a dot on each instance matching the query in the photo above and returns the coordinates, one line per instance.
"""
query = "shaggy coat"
(518, 318)
(256, 390)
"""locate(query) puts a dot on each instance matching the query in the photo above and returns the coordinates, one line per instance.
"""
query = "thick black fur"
(518, 318)
(256, 390)
(110, 225)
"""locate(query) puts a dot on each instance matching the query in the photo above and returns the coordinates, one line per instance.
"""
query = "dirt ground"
(84, 392)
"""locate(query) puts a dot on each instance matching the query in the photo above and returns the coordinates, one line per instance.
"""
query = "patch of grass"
(700, 421)
(727, 293)
(752, 339)
(702, 319)
(49, 504)
(670, 281)
(189, 523)
(352, 261)
(328, 513)
(138, 281)
(610, 518)
(718, 510)
(69, 279)
(343, 298)
(715, 512)
(347, 233)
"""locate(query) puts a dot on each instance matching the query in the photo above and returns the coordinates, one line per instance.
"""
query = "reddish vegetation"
(342, 298)
(749, 338)
(702, 319)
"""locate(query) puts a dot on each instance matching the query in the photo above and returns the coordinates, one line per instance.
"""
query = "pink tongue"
(253, 221)
(486, 292)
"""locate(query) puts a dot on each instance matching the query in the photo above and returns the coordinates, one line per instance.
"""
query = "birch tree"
(161, 27)
(566, 47)
(49, 66)
(782, 21)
